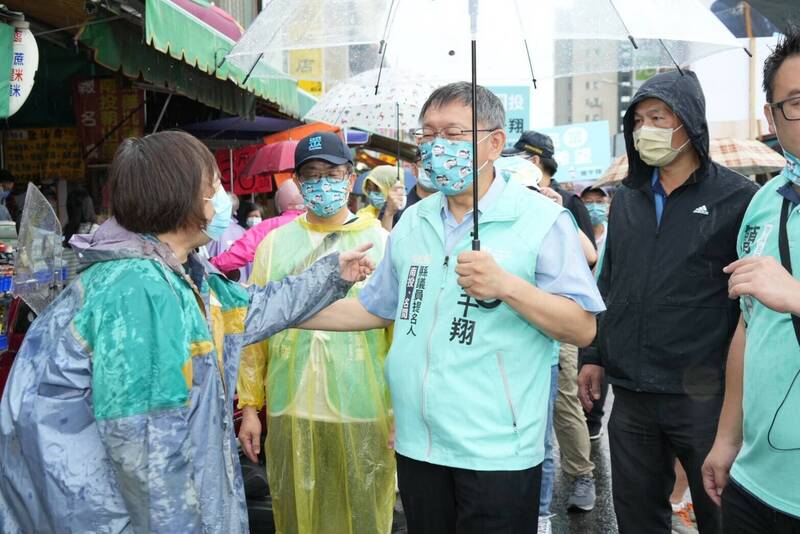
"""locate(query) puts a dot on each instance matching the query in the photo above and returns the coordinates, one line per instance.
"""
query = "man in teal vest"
(754, 467)
(469, 366)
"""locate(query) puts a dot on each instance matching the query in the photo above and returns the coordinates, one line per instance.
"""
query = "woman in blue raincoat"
(117, 416)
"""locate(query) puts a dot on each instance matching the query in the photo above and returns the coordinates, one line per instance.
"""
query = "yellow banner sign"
(44, 153)
(306, 67)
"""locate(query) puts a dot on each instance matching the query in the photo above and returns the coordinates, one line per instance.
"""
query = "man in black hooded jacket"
(663, 339)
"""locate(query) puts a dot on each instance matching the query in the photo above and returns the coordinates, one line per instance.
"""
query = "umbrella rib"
(383, 44)
(624, 25)
(525, 42)
(670, 56)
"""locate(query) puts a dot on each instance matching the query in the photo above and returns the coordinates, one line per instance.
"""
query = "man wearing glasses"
(469, 367)
(329, 465)
(754, 467)
(663, 341)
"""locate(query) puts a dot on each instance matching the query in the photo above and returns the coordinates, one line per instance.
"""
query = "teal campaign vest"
(768, 465)
(469, 382)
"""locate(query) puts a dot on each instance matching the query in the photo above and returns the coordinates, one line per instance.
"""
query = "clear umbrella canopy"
(355, 103)
(431, 38)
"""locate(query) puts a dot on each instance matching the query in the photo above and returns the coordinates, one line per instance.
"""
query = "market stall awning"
(200, 34)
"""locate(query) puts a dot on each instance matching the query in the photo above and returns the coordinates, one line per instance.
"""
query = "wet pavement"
(601, 520)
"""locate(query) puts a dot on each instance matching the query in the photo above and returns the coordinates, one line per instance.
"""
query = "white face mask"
(253, 221)
(655, 145)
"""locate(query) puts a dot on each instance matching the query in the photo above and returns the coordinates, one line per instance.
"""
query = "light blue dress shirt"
(561, 267)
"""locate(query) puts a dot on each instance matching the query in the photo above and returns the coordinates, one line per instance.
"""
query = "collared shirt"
(659, 195)
(790, 193)
(561, 267)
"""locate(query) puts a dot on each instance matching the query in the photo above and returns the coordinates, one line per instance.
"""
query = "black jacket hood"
(682, 93)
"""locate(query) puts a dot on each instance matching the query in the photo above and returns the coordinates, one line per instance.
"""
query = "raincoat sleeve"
(243, 250)
(295, 299)
(141, 384)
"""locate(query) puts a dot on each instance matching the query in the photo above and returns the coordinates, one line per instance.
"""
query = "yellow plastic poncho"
(328, 410)
(384, 177)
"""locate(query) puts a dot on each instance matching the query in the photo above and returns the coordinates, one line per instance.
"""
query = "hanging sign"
(24, 63)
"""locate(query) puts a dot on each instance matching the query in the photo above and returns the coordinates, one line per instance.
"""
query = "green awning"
(118, 47)
(179, 33)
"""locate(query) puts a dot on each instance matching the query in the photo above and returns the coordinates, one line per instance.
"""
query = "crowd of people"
(388, 354)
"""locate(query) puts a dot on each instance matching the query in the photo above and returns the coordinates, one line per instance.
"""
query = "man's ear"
(498, 143)
(768, 113)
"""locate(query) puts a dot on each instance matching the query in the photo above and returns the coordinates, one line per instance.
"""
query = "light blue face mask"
(598, 212)
(325, 196)
(792, 170)
(377, 199)
(222, 215)
(424, 180)
(449, 163)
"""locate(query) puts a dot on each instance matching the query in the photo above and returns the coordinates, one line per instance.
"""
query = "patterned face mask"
(449, 164)
(325, 196)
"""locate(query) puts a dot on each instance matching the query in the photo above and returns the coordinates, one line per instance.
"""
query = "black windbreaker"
(669, 320)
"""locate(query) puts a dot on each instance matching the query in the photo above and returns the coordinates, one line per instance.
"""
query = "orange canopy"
(295, 134)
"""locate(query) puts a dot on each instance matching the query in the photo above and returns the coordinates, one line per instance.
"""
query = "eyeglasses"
(332, 173)
(789, 107)
(452, 133)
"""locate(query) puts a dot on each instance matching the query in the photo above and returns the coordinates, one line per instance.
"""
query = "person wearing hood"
(662, 342)
(422, 189)
(754, 467)
(330, 468)
(385, 194)
(117, 415)
(289, 203)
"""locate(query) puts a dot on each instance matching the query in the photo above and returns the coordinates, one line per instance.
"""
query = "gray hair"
(234, 203)
(490, 110)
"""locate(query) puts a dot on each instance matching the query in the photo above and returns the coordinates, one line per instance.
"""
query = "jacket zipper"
(501, 364)
(428, 356)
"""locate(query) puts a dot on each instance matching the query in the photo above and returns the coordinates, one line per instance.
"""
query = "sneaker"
(682, 521)
(583, 495)
(595, 431)
(544, 526)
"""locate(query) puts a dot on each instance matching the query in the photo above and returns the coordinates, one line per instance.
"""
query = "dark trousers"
(646, 432)
(594, 417)
(744, 514)
(446, 500)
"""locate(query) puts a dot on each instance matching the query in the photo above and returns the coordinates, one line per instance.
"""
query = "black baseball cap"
(326, 146)
(593, 189)
(532, 143)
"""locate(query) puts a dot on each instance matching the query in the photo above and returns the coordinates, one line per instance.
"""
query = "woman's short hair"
(157, 182)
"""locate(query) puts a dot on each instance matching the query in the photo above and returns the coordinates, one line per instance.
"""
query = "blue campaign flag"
(582, 150)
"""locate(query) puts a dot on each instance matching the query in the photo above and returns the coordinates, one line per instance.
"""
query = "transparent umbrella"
(392, 110)
(437, 39)
(556, 38)
(37, 267)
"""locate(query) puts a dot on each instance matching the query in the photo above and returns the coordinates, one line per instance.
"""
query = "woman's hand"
(354, 266)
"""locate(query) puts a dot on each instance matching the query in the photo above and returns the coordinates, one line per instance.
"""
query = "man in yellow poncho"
(385, 195)
(329, 465)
